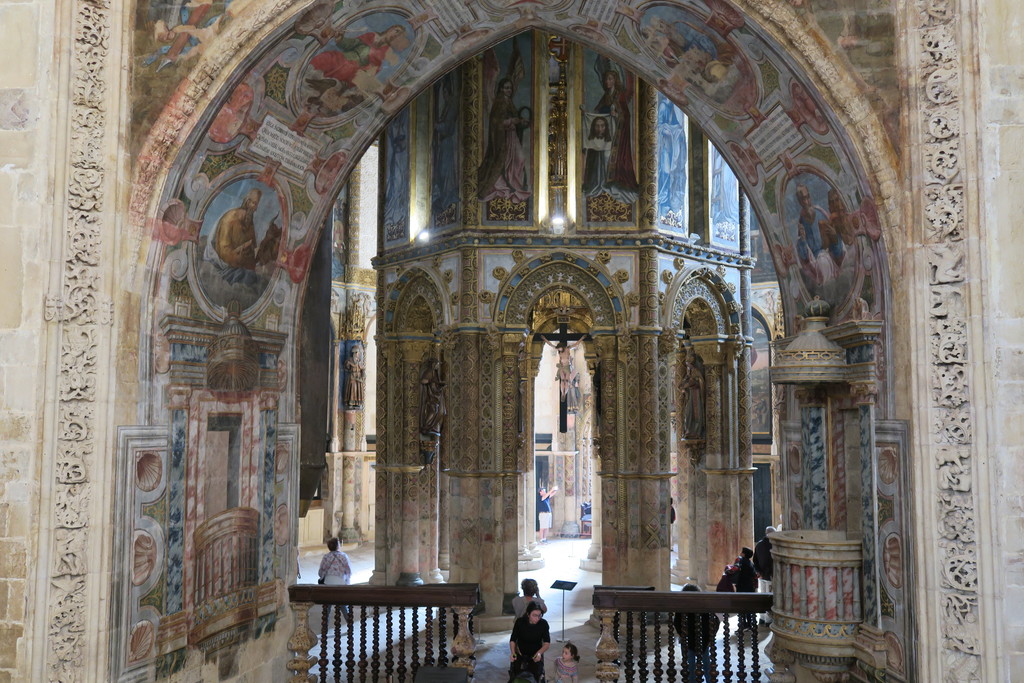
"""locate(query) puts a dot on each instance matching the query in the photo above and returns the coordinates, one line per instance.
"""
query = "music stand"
(563, 586)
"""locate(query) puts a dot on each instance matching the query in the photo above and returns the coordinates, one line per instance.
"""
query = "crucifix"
(564, 342)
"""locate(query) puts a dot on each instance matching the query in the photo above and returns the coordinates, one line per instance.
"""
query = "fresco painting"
(701, 61)
(673, 167)
(353, 66)
(724, 203)
(504, 178)
(832, 247)
(609, 185)
(760, 384)
(239, 242)
(445, 145)
(395, 219)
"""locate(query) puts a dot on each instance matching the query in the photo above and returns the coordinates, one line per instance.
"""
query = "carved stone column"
(812, 403)
(592, 562)
(349, 532)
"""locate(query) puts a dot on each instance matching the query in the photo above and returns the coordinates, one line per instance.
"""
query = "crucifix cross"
(561, 340)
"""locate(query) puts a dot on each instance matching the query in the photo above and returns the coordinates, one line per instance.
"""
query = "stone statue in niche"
(432, 408)
(692, 384)
(355, 377)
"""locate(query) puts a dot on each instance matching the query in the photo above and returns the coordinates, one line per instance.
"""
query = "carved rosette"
(936, 75)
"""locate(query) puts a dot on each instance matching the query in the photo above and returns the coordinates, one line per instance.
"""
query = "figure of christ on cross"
(564, 342)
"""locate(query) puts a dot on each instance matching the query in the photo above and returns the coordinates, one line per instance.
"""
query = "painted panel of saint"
(673, 168)
(760, 385)
(504, 175)
(445, 152)
(725, 203)
(833, 247)
(355, 64)
(609, 186)
(395, 216)
(239, 242)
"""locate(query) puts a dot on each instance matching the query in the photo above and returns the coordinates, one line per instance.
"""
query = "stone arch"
(833, 97)
(570, 271)
(705, 287)
(409, 298)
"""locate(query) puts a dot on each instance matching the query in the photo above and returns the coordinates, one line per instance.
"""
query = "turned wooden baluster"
(685, 645)
(301, 642)
(389, 660)
(375, 666)
(607, 648)
(755, 673)
(428, 660)
(713, 663)
(464, 647)
(642, 656)
(698, 665)
(401, 646)
(415, 640)
(726, 653)
(363, 661)
(672, 648)
(442, 637)
(337, 639)
(325, 629)
(658, 671)
(350, 662)
(742, 651)
(630, 664)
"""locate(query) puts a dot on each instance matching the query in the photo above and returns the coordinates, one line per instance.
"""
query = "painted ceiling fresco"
(240, 214)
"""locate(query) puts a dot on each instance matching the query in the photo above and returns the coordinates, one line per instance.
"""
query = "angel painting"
(182, 29)
(608, 141)
(504, 171)
(353, 66)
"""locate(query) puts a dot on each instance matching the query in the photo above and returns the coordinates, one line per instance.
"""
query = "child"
(566, 665)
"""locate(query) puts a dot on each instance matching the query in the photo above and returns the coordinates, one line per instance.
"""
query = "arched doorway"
(774, 136)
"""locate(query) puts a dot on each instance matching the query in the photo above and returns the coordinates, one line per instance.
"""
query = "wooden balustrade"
(731, 655)
(368, 648)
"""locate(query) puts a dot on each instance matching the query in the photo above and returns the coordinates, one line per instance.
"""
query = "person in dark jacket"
(763, 566)
(697, 636)
(746, 582)
(530, 639)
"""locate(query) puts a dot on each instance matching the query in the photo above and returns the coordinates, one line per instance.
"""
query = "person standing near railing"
(530, 639)
(697, 635)
(335, 569)
(746, 582)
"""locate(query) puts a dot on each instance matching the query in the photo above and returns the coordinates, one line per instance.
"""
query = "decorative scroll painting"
(446, 152)
(724, 204)
(609, 187)
(396, 184)
(505, 174)
(673, 168)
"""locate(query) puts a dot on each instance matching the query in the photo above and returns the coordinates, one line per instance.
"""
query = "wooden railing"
(639, 641)
(369, 648)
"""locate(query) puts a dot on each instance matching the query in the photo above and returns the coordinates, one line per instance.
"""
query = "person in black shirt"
(697, 635)
(746, 582)
(763, 565)
(530, 639)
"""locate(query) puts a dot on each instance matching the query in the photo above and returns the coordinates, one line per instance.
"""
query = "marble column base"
(435, 576)
(377, 578)
(530, 564)
(681, 574)
(409, 579)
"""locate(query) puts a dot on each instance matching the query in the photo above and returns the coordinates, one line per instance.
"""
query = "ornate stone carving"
(522, 296)
(936, 74)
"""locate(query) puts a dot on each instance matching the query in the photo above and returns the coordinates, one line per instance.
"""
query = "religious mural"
(505, 175)
(760, 384)
(446, 152)
(724, 203)
(396, 181)
(673, 168)
(609, 185)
